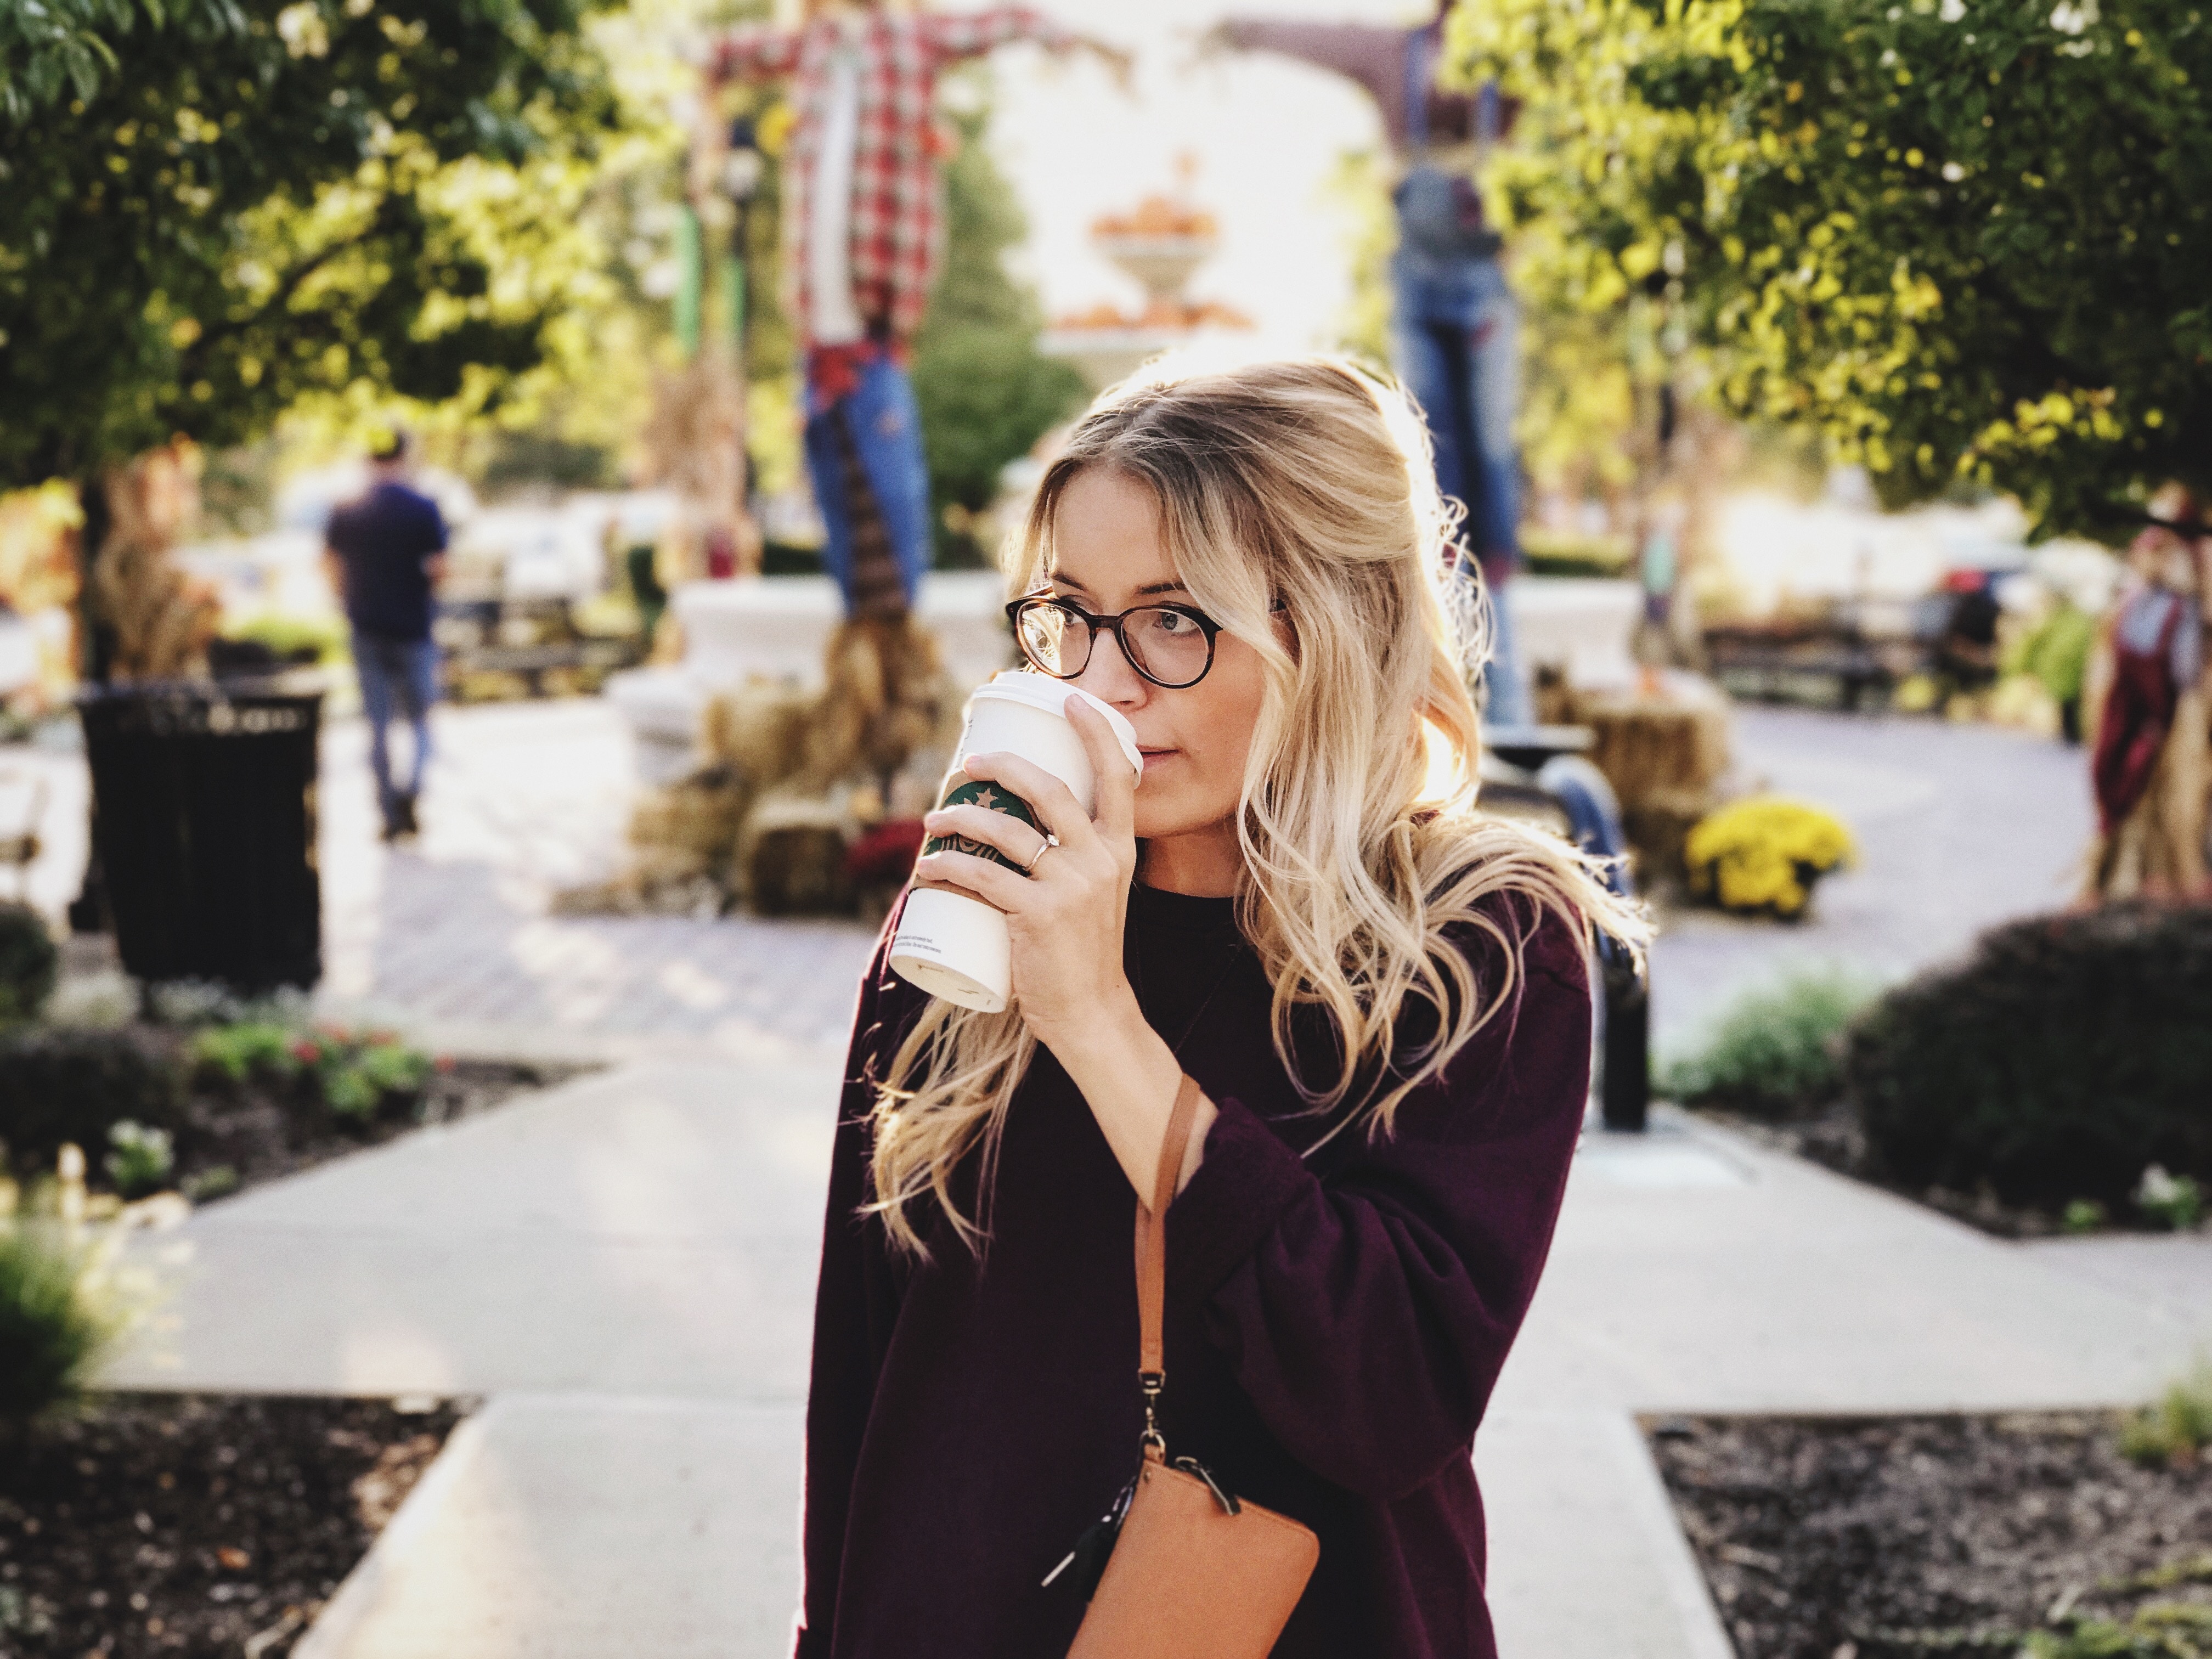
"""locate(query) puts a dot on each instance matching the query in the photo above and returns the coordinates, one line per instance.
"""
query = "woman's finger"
(1116, 786)
(961, 827)
(996, 886)
(1051, 801)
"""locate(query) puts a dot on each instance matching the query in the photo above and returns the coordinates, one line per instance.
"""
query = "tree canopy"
(210, 208)
(1965, 239)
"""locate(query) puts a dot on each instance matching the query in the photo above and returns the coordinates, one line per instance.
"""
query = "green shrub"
(1775, 1050)
(29, 963)
(392, 1066)
(58, 1320)
(61, 1085)
(2165, 1630)
(358, 1075)
(2172, 1432)
(2083, 1215)
(252, 1049)
(2066, 1055)
(216, 1181)
(2057, 650)
(290, 634)
(2171, 1200)
(1575, 553)
(348, 1091)
(142, 1158)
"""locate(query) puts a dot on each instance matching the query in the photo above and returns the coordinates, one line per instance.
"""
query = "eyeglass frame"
(1208, 626)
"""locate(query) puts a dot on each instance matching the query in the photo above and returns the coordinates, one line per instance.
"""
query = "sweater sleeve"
(855, 1298)
(1366, 1312)
(954, 35)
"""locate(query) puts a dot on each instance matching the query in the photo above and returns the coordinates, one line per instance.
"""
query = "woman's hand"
(1065, 917)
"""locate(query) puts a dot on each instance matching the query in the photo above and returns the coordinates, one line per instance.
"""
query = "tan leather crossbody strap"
(1152, 1231)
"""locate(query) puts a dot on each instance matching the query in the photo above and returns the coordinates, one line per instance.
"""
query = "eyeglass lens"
(1167, 645)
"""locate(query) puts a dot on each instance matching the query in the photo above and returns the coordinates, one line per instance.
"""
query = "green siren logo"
(991, 798)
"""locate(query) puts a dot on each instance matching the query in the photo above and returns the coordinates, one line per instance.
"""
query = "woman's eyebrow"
(1150, 588)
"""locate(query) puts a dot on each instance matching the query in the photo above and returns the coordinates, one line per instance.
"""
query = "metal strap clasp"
(1151, 1382)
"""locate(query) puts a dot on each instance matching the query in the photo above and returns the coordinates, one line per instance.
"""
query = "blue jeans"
(401, 674)
(1505, 699)
(884, 424)
(1457, 336)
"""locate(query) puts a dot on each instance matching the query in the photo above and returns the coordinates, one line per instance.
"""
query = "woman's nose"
(1108, 676)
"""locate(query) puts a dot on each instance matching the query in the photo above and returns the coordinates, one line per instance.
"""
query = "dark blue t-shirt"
(383, 539)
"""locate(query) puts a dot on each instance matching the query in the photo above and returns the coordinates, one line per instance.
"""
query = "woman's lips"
(1153, 756)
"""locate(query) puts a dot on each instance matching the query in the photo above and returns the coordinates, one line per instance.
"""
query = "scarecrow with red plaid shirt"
(863, 235)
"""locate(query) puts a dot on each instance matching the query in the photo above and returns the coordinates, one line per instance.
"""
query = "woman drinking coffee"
(1294, 948)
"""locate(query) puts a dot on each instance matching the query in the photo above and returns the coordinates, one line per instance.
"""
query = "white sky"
(1267, 132)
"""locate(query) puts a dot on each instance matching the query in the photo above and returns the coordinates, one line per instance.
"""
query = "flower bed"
(1881, 1537)
(213, 1110)
(185, 1524)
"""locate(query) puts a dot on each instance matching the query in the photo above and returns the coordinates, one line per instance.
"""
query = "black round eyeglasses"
(1170, 645)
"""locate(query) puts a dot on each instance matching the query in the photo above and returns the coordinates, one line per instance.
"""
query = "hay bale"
(695, 821)
(759, 731)
(791, 859)
(1650, 743)
(1658, 825)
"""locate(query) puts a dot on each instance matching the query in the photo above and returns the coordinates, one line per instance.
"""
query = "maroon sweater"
(1335, 1324)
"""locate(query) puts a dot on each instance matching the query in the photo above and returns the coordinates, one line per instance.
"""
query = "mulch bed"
(260, 1133)
(193, 1524)
(1865, 1539)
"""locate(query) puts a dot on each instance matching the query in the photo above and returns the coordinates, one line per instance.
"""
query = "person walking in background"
(1455, 331)
(387, 553)
(862, 239)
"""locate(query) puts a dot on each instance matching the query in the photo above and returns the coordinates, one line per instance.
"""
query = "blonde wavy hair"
(1304, 483)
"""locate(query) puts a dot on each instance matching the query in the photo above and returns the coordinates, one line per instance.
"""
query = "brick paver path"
(525, 799)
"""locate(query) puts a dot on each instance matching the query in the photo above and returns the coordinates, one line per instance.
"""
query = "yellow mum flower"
(1764, 853)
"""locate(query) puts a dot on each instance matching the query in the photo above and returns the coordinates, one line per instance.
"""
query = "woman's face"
(1109, 557)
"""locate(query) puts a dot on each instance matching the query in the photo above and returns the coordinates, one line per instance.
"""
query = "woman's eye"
(1172, 623)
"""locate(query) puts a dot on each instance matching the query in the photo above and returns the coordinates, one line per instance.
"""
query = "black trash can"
(203, 823)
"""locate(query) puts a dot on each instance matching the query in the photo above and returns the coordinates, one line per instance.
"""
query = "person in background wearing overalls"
(2151, 766)
(1456, 329)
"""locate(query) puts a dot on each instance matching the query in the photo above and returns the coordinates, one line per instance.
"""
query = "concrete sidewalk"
(626, 1264)
(650, 1231)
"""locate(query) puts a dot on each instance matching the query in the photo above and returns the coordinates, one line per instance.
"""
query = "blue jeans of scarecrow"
(1457, 339)
(877, 423)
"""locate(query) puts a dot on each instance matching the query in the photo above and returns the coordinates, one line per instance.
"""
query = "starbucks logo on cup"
(991, 798)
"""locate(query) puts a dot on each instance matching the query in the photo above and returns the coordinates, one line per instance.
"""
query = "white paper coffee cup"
(950, 945)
